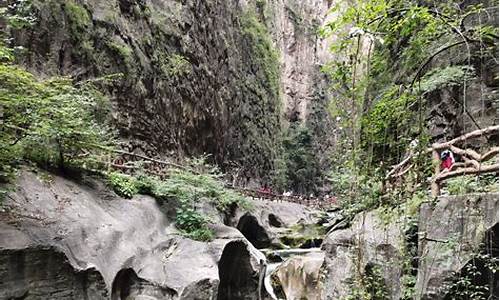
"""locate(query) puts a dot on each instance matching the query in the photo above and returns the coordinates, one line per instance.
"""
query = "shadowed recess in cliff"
(479, 277)
(45, 273)
(237, 279)
(253, 231)
(127, 285)
(275, 221)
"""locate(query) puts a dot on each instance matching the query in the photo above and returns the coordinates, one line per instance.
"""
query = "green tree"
(53, 122)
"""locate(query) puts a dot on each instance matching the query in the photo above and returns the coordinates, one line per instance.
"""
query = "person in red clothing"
(447, 160)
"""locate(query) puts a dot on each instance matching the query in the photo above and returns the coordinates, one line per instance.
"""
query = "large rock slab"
(79, 233)
(450, 232)
(300, 277)
(366, 245)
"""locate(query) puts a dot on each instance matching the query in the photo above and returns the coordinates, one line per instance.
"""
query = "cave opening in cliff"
(253, 231)
(238, 281)
(128, 285)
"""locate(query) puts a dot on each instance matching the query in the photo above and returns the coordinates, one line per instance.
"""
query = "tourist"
(447, 160)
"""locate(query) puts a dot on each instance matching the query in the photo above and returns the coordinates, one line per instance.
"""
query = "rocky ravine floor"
(65, 240)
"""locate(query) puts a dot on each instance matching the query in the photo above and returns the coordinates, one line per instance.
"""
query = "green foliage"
(470, 282)
(445, 77)
(263, 51)
(192, 223)
(382, 50)
(189, 189)
(50, 122)
(177, 65)
(298, 168)
(358, 192)
(371, 286)
(124, 185)
(18, 14)
(123, 51)
(472, 184)
(380, 126)
(79, 18)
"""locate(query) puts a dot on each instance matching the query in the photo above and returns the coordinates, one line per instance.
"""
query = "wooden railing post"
(435, 189)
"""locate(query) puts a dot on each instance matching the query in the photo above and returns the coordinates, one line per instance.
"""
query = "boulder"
(450, 233)
(268, 221)
(300, 277)
(83, 241)
(367, 245)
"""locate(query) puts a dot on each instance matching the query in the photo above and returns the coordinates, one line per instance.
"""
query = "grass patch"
(187, 189)
(472, 184)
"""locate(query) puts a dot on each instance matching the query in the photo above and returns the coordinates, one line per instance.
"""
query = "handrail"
(473, 161)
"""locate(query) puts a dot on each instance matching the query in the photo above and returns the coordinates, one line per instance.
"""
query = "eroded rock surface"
(365, 245)
(44, 272)
(64, 240)
(300, 277)
(449, 234)
(268, 221)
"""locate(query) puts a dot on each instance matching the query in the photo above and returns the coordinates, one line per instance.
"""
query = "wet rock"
(450, 233)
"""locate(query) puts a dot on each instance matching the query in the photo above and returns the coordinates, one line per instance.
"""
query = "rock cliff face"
(201, 76)
(451, 234)
(453, 111)
(369, 248)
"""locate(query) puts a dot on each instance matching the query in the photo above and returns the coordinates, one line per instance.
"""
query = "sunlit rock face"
(300, 277)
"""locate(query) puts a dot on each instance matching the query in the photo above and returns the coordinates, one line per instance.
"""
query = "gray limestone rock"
(366, 244)
(449, 234)
(63, 240)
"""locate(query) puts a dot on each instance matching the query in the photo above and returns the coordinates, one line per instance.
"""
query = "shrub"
(472, 184)
(124, 185)
(187, 188)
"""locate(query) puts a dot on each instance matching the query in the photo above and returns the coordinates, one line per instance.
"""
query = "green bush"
(263, 51)
(357, 191)
(124, 185)
(187, 188)
(299, 167)
(50, 122)
(78, 17)
(472, 184)
(177, 65)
